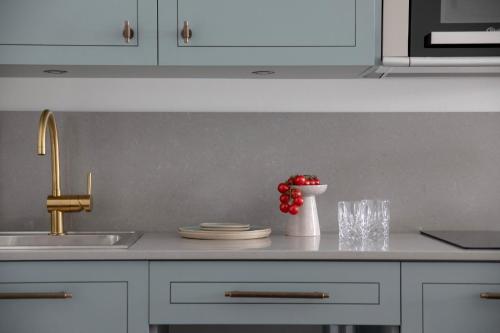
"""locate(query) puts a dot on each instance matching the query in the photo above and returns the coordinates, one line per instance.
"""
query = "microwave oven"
(441, 33)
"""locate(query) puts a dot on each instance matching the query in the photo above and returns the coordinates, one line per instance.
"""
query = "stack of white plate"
(224, 231)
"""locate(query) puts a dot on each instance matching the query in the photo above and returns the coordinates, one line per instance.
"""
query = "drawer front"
(66, 22)
(227, 292)
(75, 32)
(446, 297)
(93, 307)
(261, 293)
(461, 302)
(270, 32)
(107, 297)
(262, 23)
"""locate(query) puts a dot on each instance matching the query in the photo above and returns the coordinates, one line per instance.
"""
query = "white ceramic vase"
(306, 222)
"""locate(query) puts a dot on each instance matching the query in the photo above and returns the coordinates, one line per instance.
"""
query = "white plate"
(197, 233)
(224, 229)
(224, 226)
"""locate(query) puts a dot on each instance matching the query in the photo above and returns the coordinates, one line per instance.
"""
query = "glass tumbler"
(363, 220)
(349, 220)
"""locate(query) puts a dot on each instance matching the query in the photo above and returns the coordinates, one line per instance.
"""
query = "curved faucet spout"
(58, 204)
(47, 119)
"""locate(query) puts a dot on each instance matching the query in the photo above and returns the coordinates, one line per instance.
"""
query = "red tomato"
(284, 208)
(294, 210)
(309, 182)
(296, 193)
(282, 187)
(299, 180)
(298, 201)
(284, 198)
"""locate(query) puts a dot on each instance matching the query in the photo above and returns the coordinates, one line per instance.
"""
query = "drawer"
(463, 303)
(272, 292)
(93, 307)
(286, 293)
(106, 296)
(446, 297)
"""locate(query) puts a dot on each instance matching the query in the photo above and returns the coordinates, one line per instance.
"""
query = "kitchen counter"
(170, 246)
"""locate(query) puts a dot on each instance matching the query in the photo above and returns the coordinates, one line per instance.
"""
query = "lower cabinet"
(128, 296)
(73, 297)
(239, 292)
(450, 297)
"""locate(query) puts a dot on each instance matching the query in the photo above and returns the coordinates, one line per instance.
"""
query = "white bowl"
(309, 190)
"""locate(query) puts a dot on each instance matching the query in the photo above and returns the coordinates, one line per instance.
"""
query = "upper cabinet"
(76, 32)
(201, 34)
(268, 32)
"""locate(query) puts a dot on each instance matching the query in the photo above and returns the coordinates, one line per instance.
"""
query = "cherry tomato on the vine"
(282, 187)
(294, 210)
(284, 208)
(298, 201)
(296, 193)
(284, 198)
(299, 180)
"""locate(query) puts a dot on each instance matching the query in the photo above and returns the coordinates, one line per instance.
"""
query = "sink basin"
(72, 240)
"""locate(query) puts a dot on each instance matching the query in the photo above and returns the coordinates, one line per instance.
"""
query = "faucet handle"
(89, 183)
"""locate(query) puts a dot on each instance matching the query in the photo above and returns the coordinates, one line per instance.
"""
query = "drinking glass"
(364, 221)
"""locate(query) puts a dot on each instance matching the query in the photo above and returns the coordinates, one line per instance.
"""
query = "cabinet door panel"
(461, 302)
(107, 297)
(75, 32)
(445, 297)
(94, 307)
(262, 23)
(269, 32)
(66, 22)
(201, 292)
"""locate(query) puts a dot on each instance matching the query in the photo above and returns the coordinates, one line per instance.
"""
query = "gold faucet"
(58, 204)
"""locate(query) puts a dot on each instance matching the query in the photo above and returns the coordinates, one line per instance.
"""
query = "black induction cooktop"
(472, 240)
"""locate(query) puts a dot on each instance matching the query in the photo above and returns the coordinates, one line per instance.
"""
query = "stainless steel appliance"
(442, 33)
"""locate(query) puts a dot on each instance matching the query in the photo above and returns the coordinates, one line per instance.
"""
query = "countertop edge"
(169, 246)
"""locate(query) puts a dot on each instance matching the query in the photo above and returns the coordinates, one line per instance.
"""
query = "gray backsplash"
(157, 171)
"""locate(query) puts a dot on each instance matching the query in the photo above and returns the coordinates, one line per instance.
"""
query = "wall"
(157, 171)
(232, 95)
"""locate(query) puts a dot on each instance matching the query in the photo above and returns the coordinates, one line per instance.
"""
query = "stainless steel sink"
(72, 240)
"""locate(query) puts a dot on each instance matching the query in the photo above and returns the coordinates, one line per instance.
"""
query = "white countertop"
(170, 246)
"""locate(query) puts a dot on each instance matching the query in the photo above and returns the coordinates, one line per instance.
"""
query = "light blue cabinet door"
(106, 297)
(267, 23)
(77, 32)
(445, 297)
(269, 32)
(94, 307)
(195, 292)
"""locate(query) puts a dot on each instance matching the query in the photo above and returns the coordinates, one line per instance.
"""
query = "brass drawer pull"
(277, 294)
(36, 295)
(128, 32)
(490, 295)
(186, 32)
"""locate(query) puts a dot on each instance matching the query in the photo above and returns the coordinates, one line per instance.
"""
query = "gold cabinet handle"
(128, 32)
(276, 294)
(186, 32)
(489, 295)
(36, 295)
